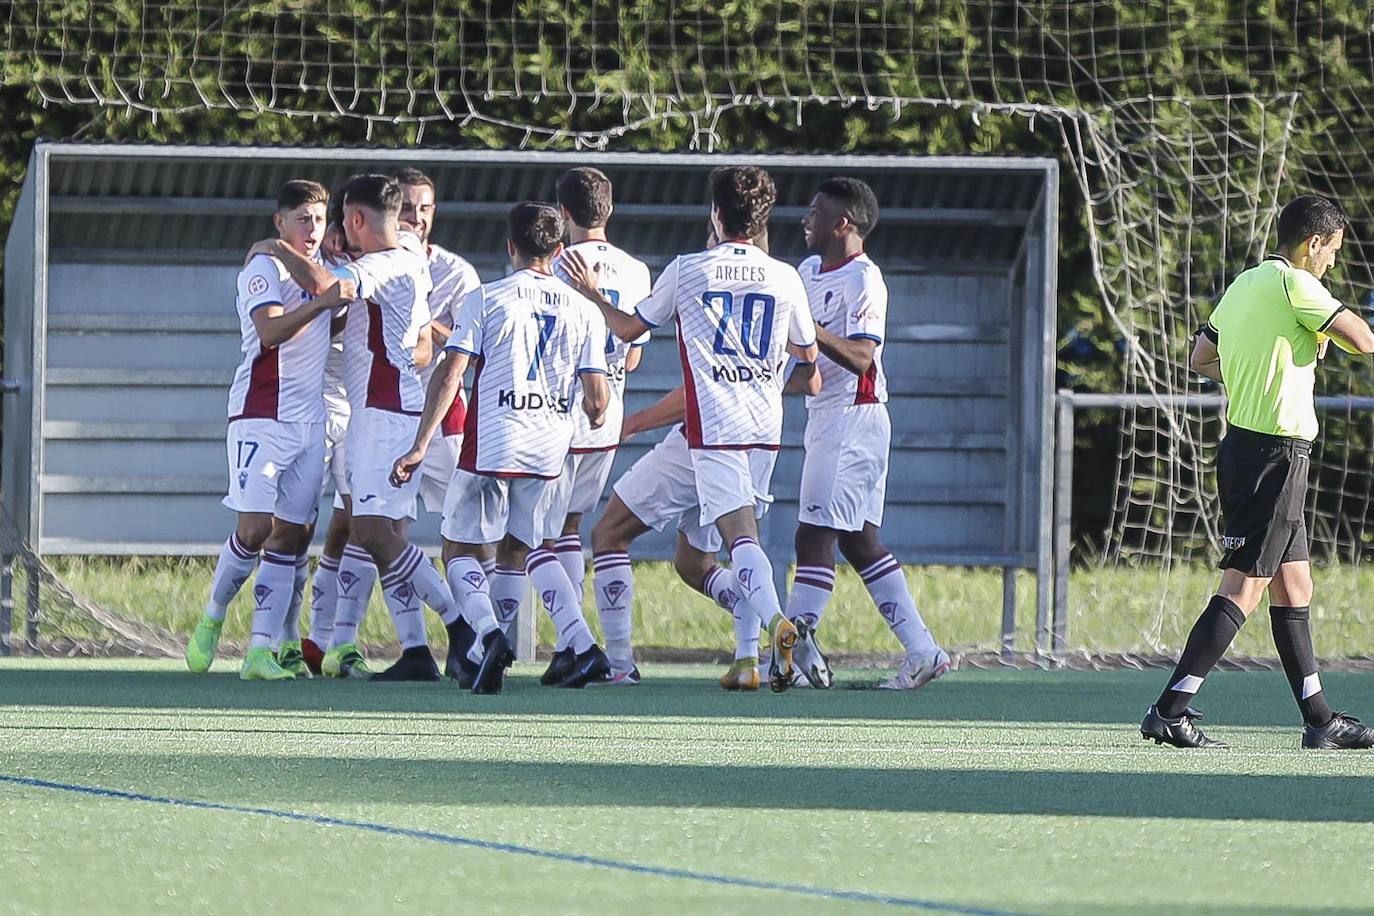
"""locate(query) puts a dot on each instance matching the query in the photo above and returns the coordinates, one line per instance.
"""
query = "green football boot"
(259, 665)
(290, 657)
(200, 649)
(345, 661)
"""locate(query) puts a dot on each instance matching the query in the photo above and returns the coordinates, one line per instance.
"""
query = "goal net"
(1182, 128)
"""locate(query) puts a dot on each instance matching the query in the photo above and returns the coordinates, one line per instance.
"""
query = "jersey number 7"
(749, 315)
(546, 325)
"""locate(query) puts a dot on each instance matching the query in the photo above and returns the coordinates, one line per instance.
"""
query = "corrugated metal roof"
(954, 211)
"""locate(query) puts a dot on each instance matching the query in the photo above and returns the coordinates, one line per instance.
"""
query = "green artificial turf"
(1025, 791)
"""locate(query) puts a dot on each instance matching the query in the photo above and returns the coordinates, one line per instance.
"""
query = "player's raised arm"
(312, 276)
(630, 328)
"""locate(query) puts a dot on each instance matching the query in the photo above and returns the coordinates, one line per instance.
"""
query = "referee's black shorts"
(1262, 481)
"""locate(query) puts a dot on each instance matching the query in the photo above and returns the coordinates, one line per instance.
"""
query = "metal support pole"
(523, 632)
(1063, 517)
(1008, 612)
(31, 611)
(6, 603)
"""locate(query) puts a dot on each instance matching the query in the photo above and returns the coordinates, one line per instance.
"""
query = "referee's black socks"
(1293, 639)
(1207, 643)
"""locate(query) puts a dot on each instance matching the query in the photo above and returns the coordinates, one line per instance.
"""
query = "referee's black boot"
(496, 658)
(560, 666)
(1180, 732)
(1341, 733)
(415, 664)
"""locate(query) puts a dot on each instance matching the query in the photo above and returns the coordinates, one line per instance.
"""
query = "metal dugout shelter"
(120, 327)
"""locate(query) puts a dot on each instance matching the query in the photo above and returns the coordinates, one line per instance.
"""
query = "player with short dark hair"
(1263, 342)
(530, 338)
(275, 438)
(584, 199)
(848, 437)
(739, 313)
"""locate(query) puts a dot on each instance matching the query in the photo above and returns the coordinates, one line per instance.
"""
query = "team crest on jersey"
(243, 479)
(550, 598)
(347, 580)
(613, 591)
(475, 579)
(889, 611)
(261, 593)
(257, 285)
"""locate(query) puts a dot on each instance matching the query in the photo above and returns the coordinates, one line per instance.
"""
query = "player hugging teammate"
(356, 341)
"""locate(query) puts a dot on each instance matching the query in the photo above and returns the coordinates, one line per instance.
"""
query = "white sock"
(887, 584)
(720, 584)
(613, 584)
(233, 568)
(754, 574)
(291, 626)
(271, 597)
(410, 581)
(507, 587)
(468, 582)
(324, 594)
(811, 589)
(556, 593)
(568, 549)
(357, 575)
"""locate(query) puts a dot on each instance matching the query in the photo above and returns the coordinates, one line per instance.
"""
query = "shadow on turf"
(1256, 698)
(293, 782)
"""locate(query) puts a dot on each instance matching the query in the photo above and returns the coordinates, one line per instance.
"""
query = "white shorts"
(376, 438)
(335, 452)
(483, 510)
(729, 479)
(661, 490)
(437, 470)
(844, 476)
(275, 467)
(585, 475)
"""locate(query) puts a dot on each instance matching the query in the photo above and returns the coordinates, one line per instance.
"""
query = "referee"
(1263, 342)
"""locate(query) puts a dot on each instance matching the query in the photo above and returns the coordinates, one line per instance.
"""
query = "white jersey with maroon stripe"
(736, 310)
(382, 330)
(453, 279)
(625, 282)
(285, 382)
(529, 335)
(849, 300)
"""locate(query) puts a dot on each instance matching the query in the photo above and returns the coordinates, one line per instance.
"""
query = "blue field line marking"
(911, 903)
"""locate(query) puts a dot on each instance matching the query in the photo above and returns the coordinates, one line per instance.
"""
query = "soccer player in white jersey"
(325, 586)
(453, 280)
(384, 344)
(275, 439)
(584, 201)
(739, 313)
(530, 338)
(848, 435)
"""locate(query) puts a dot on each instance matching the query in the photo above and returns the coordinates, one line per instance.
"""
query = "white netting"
(1184, 126)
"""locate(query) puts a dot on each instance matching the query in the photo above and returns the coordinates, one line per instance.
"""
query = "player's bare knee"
(692, 566)
(254, 528)
(512, 552)
(815, 546)
(861, 548)
(611, 533)
(572, 524)
(284, 537)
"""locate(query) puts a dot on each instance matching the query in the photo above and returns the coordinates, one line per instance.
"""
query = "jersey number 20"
(755, 309)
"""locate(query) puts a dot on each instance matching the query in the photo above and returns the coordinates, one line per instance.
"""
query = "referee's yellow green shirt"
(1267, 328)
